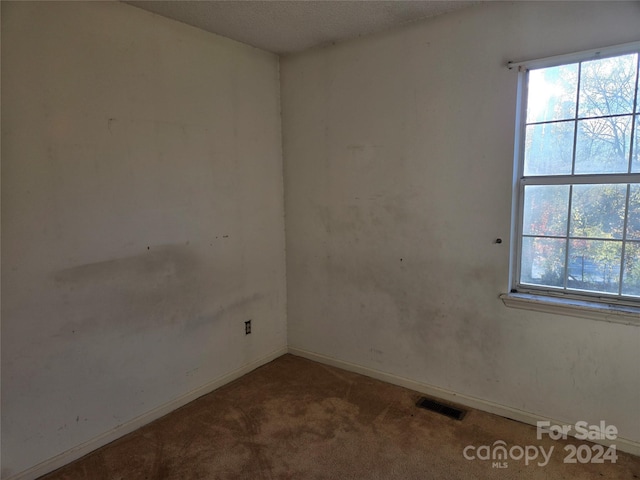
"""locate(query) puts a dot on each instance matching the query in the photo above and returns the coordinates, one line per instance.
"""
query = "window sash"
(565, 291)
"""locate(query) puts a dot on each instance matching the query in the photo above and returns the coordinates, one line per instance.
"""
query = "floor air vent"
(441, 408)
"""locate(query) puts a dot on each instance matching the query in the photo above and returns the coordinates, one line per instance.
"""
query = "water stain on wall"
(408, 295)
(161, 261)
(169, 285)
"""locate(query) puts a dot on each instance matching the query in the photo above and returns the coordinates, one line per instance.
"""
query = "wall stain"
(165, 286)
(432, 324)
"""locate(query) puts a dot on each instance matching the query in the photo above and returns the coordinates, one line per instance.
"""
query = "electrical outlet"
(247, 327)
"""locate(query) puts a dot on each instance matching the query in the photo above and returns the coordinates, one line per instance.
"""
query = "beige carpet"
(297, 419)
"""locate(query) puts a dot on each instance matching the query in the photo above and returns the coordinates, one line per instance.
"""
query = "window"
(577, 228)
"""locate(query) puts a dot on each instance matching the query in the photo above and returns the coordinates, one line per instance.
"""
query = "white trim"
(517, 193)
(576, 57)
(606, 312)
(580, 179)
(87, 447)
(622, 444)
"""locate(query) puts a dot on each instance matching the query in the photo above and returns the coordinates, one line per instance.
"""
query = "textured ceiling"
(291, 26)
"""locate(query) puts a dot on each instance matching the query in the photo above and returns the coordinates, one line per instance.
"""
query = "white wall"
(398, 169)
(142, 218)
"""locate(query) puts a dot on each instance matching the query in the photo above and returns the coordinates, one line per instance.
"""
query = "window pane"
(602, 145)
(546, 208)
(549, 149)
(594, 265)
(633, 223)
(597, 211)
(607, 86)
(552, 93)
(542, 261)
(631, 275)
(635, 161)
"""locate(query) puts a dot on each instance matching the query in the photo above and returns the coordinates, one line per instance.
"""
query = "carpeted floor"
(297, 419)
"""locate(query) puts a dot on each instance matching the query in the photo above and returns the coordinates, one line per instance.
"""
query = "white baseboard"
(64, 458)
(87, 447)
(622, 444)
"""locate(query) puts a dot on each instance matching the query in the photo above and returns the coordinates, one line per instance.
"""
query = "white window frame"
(618, 309)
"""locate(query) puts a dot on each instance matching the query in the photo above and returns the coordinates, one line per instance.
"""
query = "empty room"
(320, 240)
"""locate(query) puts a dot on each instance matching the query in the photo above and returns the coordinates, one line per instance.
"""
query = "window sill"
(626, 315)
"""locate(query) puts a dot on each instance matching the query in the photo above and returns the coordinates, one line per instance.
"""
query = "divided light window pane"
(594, 265)
(552, 93)
(607, 86)
(549, 148)
(597, 211)
(545, 210)
(602, 145)
(543, 261)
